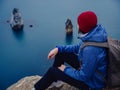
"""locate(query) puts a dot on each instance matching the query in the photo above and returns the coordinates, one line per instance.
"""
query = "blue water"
(25, 53)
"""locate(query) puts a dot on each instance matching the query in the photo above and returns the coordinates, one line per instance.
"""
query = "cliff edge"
(28, 82)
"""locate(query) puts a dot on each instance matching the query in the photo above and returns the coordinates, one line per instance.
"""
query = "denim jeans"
(54, 74)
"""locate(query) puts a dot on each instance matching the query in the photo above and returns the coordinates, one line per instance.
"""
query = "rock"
(27, 83)
(31, 26)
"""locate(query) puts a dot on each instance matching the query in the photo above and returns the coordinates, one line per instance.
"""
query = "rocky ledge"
(27, 83)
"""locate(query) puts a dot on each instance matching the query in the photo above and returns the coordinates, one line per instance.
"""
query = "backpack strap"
(98, 44)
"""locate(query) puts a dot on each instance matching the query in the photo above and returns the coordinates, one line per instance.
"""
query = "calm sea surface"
(25, 53)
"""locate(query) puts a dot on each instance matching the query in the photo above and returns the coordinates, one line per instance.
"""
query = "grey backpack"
(113, 69)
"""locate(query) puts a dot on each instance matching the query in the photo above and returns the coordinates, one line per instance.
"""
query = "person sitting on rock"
(84, 63)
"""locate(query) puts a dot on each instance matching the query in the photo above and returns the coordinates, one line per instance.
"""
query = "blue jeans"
(54, 74)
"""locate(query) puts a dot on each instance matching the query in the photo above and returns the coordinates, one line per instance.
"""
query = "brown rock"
(27, 83)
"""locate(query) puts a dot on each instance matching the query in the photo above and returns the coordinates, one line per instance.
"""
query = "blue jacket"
(93, 59)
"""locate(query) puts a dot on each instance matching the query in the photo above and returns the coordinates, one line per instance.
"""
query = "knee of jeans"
(58, 55)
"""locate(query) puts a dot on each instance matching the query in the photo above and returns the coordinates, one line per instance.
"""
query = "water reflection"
(18, 34)
(69, 38)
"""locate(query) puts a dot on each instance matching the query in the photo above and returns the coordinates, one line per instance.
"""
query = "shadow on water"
(69, 38)
(18, 34)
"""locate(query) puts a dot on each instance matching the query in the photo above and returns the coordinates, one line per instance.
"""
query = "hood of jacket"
(98, 34)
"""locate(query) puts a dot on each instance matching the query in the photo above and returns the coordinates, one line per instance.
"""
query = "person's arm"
(52, 53)
(69, 48)
(88, 67)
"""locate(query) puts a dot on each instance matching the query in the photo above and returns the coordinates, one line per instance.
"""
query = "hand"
(62, 67)
(52, 53)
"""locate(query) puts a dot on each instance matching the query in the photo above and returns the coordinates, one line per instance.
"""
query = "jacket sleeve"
(69, 48)
(89, 64)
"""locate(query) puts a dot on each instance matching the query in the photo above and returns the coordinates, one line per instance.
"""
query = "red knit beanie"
(87, 21)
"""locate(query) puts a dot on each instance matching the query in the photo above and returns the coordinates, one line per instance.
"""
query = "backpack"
(113, 69)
